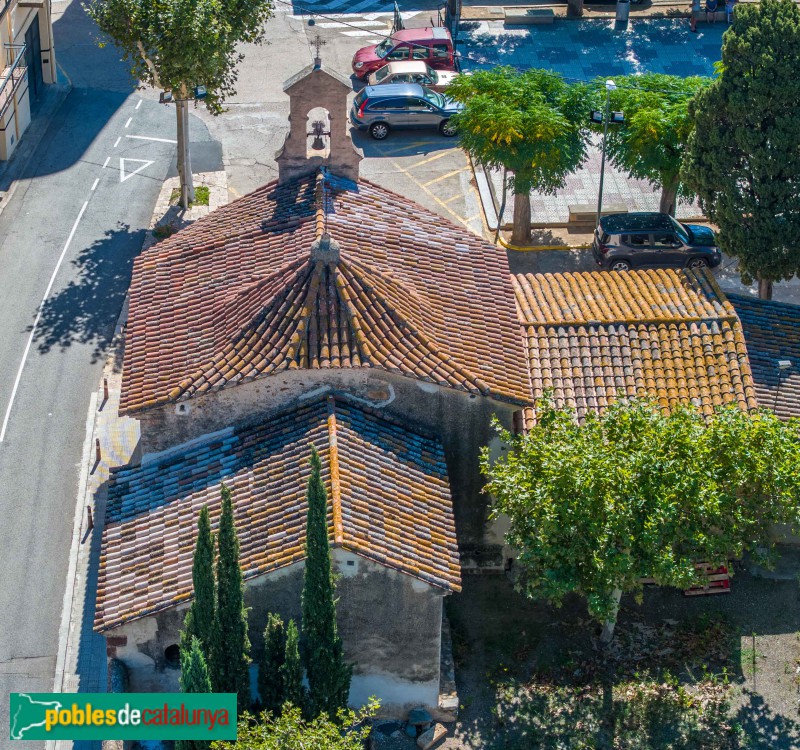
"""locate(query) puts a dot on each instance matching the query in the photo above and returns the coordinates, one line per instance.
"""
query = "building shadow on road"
(85, 311)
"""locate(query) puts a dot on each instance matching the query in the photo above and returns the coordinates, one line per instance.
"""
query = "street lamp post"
(783, 365)
(615, 118)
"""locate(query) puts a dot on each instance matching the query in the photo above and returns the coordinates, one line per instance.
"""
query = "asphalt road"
(68, 237)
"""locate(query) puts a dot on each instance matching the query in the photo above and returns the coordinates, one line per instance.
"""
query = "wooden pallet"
(717, 581)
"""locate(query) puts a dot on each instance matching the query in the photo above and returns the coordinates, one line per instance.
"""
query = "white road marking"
(337, 25)
(36, 321)
(128, 123)
(143, 164)
(139, 103)
(116, 143)
(105, 163)
(358, 33)
(150, 138)
(94, 185)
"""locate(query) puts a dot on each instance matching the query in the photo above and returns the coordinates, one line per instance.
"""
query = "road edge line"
(72, 568)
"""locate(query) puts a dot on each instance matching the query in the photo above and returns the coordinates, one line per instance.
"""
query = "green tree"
(742, 160)
(635, 493)
(199, 620)
(270, 675)
(651, 144)
(290, 731)
(177, 45)
(531, 124)
(292, 668)
(328, 675)
(194, 679)
(230, 646)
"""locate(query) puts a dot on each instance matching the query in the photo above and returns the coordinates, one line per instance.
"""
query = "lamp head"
(610, 85)
(784, 364)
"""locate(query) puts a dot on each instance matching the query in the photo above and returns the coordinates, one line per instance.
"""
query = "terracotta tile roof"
(387, 488)
(772, 334)
(668, 333)
(240, 295)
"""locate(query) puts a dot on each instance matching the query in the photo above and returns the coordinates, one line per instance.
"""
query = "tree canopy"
(231, 646)
(328, 675)
(177, 45)
(742, 159)
(651, 144)
(635, 492)
(199, 620)
(290, 731)
(531, 123)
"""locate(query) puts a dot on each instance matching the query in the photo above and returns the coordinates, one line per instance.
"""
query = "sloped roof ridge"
(364, 275)
(591, 298)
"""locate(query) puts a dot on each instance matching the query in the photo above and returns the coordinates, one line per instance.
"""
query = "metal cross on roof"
(318, 42)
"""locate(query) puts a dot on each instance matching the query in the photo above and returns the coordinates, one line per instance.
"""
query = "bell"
(318, 144)
(318, 130)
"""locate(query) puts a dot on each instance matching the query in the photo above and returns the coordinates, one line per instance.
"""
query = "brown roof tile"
(772, 334)
(668, 333)
(238, 295)
(388, 492)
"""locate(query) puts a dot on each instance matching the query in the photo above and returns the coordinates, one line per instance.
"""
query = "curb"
(538, 248)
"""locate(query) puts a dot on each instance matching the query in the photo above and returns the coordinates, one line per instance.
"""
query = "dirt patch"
(681, 673)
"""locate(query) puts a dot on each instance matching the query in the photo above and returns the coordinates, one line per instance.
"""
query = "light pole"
(605, 117)
(783, 365)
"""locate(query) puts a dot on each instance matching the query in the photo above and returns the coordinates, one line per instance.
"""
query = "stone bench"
(529, 15)
(586, 213)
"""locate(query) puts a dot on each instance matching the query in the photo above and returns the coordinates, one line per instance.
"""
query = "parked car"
(432, 45)
(412, 71)
(379, 109)
(644, 239)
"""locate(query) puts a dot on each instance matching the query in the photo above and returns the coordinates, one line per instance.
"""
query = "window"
(421, 78)
(383, 48)
(419, 52)
(172, 656)
(398, 53)
(383, 104)
(665, 240)
(441, 51)
(418, 104)
(636, 240)
(382, 73)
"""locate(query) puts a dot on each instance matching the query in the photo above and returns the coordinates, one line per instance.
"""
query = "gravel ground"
(496, 633)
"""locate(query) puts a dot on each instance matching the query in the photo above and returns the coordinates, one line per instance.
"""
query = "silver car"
(380, 109)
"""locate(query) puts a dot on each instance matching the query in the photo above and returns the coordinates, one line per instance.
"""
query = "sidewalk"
(16, 167)
(111, 440)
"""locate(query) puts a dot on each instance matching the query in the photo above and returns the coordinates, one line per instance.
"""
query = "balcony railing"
(12, 73)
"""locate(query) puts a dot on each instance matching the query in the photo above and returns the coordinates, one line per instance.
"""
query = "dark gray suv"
(379, 109)
(642, 239)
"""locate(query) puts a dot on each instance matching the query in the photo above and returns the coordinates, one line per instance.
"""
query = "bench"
(586, 213)
(529, 15)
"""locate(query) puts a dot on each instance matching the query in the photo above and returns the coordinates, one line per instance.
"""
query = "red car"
(432, 45)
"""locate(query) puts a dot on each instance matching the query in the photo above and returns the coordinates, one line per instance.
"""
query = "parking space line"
(429, 159)
(436, 198)
(445, 176)
(453, 198)
(416, 144)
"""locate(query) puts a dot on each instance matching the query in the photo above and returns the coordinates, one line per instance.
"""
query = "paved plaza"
(585, 51)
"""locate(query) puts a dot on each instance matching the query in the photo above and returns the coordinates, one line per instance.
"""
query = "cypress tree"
(194, 679)
(328, 675)
(200, 617)
(230, 645)
(292, 669)
(270, 677)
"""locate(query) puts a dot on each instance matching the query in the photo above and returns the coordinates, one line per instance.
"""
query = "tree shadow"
(85, 311)
(764, 728)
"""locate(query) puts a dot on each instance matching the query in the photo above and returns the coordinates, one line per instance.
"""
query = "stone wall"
(461, 420)
(390, 624)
